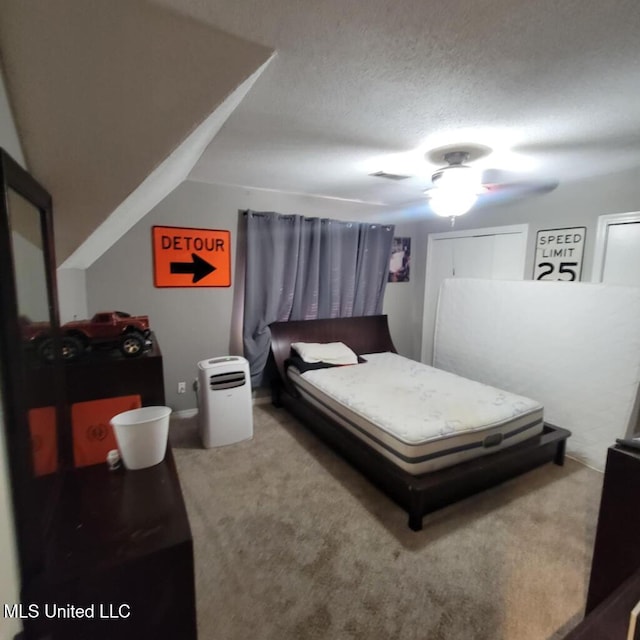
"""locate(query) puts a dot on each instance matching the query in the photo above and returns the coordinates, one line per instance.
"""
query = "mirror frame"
(30, 515)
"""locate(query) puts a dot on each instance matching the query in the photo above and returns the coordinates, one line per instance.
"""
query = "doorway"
(617, 252)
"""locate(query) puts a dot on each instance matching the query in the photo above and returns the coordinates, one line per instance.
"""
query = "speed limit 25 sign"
(559, 254)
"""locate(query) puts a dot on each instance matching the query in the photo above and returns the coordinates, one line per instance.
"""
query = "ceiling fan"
(458, 185)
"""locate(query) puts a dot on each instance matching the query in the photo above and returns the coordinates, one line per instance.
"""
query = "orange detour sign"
(185, 257)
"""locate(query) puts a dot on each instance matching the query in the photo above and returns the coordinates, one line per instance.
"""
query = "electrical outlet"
(182, 387)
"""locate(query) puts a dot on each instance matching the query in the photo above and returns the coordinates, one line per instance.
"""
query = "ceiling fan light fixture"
(455, 187)
(450, 203)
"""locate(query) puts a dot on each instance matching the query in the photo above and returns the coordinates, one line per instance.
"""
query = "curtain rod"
(291, 216)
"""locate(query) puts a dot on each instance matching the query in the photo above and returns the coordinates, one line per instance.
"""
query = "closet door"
(495, 253)
(473, 257)
(617, 255)
(509, 253)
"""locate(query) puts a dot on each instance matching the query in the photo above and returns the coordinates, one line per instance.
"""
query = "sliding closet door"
(494, 253)
(473, 257)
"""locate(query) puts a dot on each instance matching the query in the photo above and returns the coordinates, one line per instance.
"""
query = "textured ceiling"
(106, 92)
(367, 85)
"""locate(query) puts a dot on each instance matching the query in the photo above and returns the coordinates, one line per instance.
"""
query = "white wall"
(403, 300)
(8, 133)
(31, 284)
(9, 580)
(72, 294)
(192, 324)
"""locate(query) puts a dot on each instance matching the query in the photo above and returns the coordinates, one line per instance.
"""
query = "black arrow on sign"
(199, 267)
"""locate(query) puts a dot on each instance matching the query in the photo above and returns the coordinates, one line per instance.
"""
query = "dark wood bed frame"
(420, 494)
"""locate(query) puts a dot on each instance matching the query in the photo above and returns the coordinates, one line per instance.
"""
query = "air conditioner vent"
(388, 176)
(227, 380)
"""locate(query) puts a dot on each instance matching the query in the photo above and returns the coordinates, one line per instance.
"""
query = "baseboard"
(261, 395)
(185, 413)
(256, 398)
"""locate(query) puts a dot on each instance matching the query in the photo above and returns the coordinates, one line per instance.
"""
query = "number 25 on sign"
(185, 257)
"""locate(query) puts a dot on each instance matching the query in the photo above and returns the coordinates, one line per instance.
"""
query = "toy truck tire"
(132, 344)
(72, 348)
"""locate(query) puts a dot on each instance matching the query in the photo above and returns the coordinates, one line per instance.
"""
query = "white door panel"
(616, 257)
(473, 257)
(509, 251)
(622, 255)
(496, 253)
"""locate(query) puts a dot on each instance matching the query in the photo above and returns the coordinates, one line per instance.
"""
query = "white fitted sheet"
(421, 418)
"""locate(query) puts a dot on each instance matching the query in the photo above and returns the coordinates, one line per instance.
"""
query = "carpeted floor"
(291, 542)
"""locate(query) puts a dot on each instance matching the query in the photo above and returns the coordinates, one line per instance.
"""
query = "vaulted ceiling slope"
(104, 92)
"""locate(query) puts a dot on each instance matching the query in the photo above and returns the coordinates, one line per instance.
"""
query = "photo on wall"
(400, 261)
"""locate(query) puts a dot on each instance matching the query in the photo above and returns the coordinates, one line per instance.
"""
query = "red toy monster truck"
(108, 329)
(131, 334)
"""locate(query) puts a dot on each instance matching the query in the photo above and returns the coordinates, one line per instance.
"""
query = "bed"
(419, 476)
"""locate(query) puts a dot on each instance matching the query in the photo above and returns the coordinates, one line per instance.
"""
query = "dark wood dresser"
(118, 549)
(104, 375)
(614, 584)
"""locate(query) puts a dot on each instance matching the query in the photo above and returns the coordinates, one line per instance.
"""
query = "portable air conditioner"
(225, 412)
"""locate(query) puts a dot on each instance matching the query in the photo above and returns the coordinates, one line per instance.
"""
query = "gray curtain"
(306, 268)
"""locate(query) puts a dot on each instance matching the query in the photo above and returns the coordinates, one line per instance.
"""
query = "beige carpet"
(291, 542)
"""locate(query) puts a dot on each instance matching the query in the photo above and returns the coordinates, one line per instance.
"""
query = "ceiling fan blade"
(495, 185)
(518, 189)
(494, 175)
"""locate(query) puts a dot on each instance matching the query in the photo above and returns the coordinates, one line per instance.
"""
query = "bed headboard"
(364, 334)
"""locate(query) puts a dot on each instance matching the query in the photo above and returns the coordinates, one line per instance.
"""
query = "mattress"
(573, 346)
(420, 418)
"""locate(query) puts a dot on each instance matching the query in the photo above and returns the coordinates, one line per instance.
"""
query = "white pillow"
(330, 352)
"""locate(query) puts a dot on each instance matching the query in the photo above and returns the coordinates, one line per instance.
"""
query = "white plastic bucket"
(142, 436)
